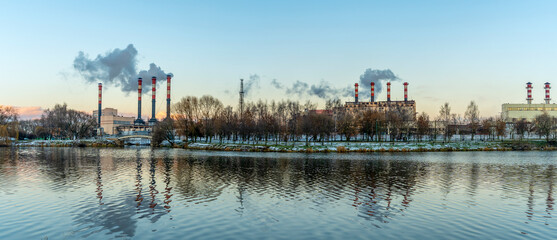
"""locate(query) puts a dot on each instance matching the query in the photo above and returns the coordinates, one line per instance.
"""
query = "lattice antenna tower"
(241, 97)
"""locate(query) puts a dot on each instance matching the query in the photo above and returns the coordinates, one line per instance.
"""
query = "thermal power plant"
(168, 77)
(113, 124)
(153, 119)
(405, 106)
(529, 111)
(139, 121)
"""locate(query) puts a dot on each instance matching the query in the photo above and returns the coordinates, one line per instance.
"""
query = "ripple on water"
(174, 194)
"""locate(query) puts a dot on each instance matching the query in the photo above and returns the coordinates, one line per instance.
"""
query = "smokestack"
(356, 96)
(100, 103)
(388, 91)
(406, 91)
(168, 96)
(153, 120)
(139, 121)
(529, 91)
(547, 98)
(372, 91)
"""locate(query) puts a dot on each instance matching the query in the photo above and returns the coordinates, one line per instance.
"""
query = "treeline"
(59, 122)
(207, 119)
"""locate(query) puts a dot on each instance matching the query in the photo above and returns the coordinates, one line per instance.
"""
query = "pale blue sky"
(454, 51)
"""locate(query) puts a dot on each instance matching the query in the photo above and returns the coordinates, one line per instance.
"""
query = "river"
(139, 193)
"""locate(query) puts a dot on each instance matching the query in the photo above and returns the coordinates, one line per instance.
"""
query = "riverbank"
(311, 147)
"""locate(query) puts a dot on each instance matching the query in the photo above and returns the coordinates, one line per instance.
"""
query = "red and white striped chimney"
(388, 91)
(529, 91)
(100, 103)
(139, 121)
(547, 98)
(168, 77)
(406, 91)
(356, 96)
(154, 84)
(372, 91)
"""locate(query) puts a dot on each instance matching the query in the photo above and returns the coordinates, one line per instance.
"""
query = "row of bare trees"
(59, 122)
(207, 119)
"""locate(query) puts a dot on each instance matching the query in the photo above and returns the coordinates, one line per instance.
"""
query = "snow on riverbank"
(312, 146)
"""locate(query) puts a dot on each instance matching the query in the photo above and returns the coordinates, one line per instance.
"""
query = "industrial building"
(110, 120)
(110, 123)
(407, 106)
(528, 111)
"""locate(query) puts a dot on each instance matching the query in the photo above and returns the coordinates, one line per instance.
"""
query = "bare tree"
(472, 115)
(422, 125)
(544, 125)
(163, 131)
(500, 128)
(445, 117)
(209, 108)
(8, 124)
(188, 116)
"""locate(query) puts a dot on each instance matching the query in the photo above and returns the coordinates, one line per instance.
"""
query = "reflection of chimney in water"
(153, 187)
(167, 192)
(138, 185)
(99, 182)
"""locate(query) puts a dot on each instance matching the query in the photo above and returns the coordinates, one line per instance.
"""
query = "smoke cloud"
(322, 90)
(117, 68)
(251, 83)
(276, 84)
(376, 76)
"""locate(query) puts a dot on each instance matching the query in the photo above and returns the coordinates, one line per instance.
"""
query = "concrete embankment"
(320, 147)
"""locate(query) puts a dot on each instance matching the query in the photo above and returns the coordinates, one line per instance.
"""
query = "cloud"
(27, 113)
(117, 68)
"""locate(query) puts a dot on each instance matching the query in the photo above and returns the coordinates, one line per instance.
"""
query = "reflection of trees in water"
(549, 200)
(378, 190)
(386, 188)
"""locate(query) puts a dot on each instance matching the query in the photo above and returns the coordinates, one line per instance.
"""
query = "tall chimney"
(168, 96)
(372, 91)
(388, 91)
(356, 96)
(153, 120)
(100, 103)
(406, 91)
(547, 98)
(139, 121)
(529, 91)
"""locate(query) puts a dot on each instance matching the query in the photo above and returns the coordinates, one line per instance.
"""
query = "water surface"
(136, 193)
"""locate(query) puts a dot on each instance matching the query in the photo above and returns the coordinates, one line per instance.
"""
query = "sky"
(448, 51)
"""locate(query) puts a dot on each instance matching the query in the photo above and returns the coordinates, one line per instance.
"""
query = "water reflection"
(115, 192)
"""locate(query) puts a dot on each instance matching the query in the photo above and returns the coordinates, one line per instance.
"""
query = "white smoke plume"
(117, 68)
